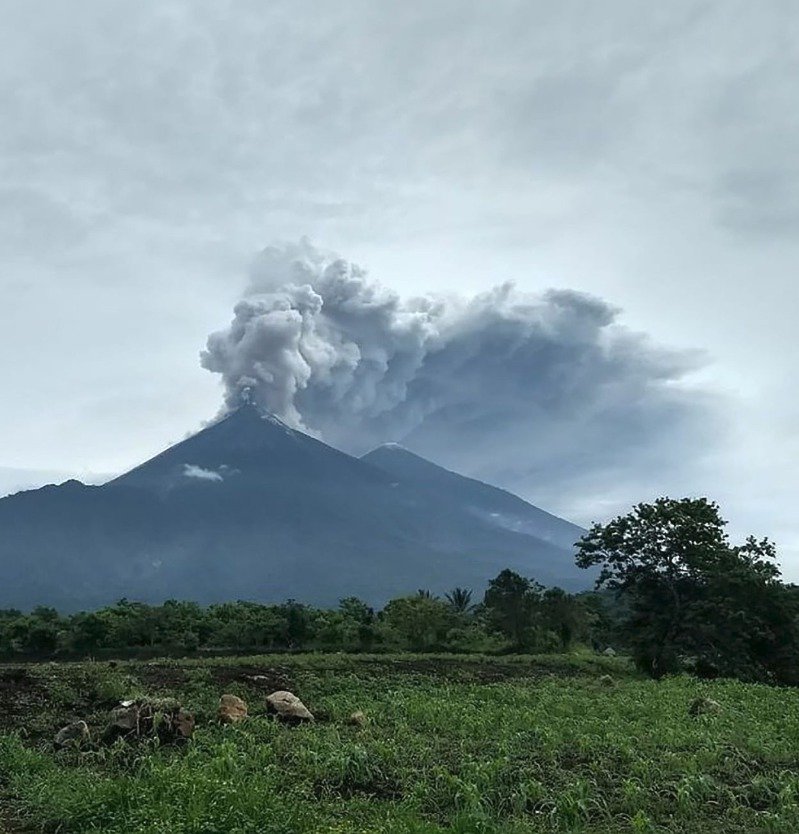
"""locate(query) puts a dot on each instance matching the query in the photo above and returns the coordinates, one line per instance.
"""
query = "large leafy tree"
(692, 595)
(512, 606)
(422, 622)
(565, 615)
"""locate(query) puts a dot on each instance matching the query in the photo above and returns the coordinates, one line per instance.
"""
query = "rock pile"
(161, 718)
(166, 720)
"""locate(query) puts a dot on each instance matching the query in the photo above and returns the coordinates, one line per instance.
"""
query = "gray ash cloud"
(506, 385)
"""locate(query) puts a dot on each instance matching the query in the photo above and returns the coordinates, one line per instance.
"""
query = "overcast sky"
(646, 154)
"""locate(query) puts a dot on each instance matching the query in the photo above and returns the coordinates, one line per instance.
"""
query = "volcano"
(249, 508)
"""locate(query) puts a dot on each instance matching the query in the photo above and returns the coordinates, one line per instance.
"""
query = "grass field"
(452, 744)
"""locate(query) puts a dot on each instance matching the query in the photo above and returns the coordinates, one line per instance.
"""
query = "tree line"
(515, 614)
(671, 591)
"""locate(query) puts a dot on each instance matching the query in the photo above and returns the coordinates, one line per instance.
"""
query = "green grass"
(466, 745)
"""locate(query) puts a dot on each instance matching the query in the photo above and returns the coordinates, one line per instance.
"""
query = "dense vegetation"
(462, 745)
(516, 615)
(693, 599)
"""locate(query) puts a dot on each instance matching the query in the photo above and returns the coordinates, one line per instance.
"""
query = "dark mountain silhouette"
(251, 509)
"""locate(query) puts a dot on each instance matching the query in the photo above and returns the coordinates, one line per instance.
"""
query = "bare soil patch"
(9, 823)
(267, 678)
(159, 675)
(20, 695)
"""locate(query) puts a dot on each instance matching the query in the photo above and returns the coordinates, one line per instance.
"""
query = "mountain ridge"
(249, 508)
(503, 506)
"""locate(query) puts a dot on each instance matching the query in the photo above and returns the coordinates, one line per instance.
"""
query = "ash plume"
(506, 385)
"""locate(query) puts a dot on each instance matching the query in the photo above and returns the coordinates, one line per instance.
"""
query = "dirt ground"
(8, 823)
(269, 679)
(20, 695)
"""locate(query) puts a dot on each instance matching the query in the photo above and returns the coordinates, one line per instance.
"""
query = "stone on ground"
(287, 707)
(73, 735)
(232, 709)
(704, 706)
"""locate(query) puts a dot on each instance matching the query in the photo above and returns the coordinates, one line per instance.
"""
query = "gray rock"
(75, 734)
(126, 717)
(287, 707)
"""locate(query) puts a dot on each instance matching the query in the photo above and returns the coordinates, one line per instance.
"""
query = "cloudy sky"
(645, 158)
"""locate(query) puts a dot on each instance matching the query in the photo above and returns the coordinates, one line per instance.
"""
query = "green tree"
(460, 600)
(41, 637)
(692, 596)
(45, 614)
(605, 613)
(359, 624)
(421, 622)
(299, 623)
(189, 641)
(564, 615)
(356, 610)
(91, 631)
(512, 606)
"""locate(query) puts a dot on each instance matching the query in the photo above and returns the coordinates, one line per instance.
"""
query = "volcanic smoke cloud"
(506, 385)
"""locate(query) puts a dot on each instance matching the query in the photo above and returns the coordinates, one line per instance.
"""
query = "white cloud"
(191, 470)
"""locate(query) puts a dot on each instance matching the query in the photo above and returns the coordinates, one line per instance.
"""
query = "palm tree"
(423, 593)
(460, 600)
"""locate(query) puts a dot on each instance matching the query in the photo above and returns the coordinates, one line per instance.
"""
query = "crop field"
(445, 744)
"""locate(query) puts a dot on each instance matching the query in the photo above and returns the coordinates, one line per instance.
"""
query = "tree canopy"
(695, 600)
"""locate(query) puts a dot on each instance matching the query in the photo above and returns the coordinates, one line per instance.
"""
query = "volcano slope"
(249, 508)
